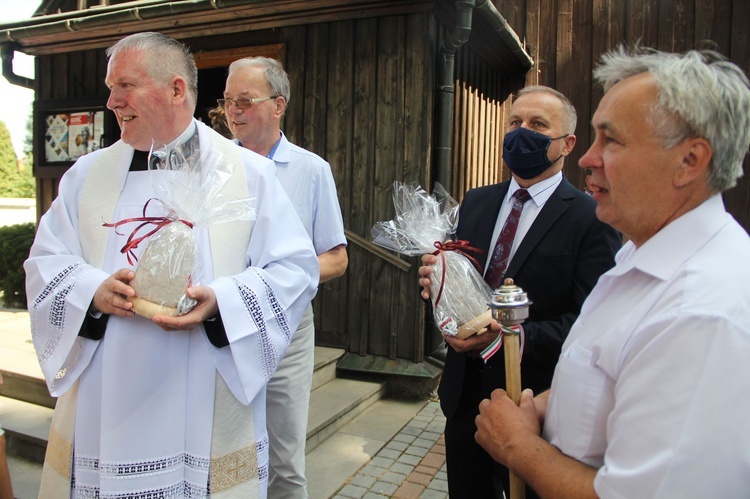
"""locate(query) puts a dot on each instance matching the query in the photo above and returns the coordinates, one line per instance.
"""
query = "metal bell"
(510, 304)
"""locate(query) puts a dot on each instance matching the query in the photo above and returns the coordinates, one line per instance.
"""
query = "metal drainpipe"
(7, 51)
(434, 345)
(446, 66)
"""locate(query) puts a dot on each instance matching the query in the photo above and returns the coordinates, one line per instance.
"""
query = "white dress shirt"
(651, 387)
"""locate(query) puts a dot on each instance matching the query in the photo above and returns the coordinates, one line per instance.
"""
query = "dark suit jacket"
(558, 263)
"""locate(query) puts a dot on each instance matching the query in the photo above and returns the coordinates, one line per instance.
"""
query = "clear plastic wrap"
(423, 223)
(188, 184)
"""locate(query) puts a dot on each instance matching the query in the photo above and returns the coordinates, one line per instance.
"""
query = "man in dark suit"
(556, 253)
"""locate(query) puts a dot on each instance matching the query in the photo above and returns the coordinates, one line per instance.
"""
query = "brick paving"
(410, 466)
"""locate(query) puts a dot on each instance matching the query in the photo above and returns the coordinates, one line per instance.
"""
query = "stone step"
(27, 388)
(22, 379)
(324, 369)
(26, 428)
(26, 406)
(335, 404)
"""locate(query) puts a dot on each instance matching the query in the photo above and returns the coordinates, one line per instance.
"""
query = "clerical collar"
(139, 163)
(184, 136)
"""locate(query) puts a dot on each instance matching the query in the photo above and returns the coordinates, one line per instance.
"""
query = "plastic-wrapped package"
(188, 185)
(423, 223)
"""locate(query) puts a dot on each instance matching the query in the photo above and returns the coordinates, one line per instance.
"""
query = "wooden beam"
(252, 17)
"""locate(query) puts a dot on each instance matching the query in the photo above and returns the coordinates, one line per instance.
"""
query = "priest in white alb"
(172, 406)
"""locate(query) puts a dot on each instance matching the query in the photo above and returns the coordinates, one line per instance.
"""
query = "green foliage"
(28, 140)
(15, 243)
(15, 182)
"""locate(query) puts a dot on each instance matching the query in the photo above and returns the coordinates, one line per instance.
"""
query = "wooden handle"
(511, 345)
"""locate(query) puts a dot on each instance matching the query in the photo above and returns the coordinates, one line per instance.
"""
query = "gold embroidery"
(233, 469)
(59, 453)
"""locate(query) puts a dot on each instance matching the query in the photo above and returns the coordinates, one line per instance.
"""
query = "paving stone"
(409, 459)
(384, 488)
(383, 462)
(417, 451)
(433, 460)
(433, 494)
(442, 475)
(353, 491)
(409, 490)
(398, 446)
(402, 468)
(420, 478)
(422, 442)
(404, 437)
(363, 481)
(415, 423)
(431, 435)
(392, 477)
(438, 484)
(426, 470)
(390, 453)
(411, 430)
(372, 470)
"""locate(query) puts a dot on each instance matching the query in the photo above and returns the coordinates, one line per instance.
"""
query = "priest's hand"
(503, 428)
(112, 296)
(207, 307)
(424, 271)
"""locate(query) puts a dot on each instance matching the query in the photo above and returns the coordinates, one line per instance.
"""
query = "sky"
(15, 101)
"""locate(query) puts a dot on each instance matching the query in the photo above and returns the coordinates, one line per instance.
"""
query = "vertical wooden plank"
(514, 11)
(463, 163)
(418, 131)
(573, 73)
(737, 200)
(471, 162)
(43, 66)
(60, 85)
(547, 63)
(388, 122)
(76, 76)
(338, 128)
(533, 39)
(711, 20)
(316, 79)
(459, 137)
(294, 64)
(676, 25)
(361, 183)
(642, 22)
(95, 71)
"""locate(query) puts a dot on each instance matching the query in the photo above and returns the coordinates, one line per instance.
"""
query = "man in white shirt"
(255, 99)
(172, 406)
(648, 399)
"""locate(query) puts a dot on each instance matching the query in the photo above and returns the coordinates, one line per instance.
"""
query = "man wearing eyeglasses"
(255, 99)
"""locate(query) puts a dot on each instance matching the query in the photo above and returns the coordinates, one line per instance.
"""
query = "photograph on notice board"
(56, 137)
(68, 136)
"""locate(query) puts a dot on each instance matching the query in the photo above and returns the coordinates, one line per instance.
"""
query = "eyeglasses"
(243, 103)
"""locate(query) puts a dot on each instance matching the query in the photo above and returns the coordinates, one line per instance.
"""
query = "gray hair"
(569, 112)
(166, 59)
(701, 94)
(276, 77)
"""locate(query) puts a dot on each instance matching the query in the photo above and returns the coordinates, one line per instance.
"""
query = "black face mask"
(525, 152)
